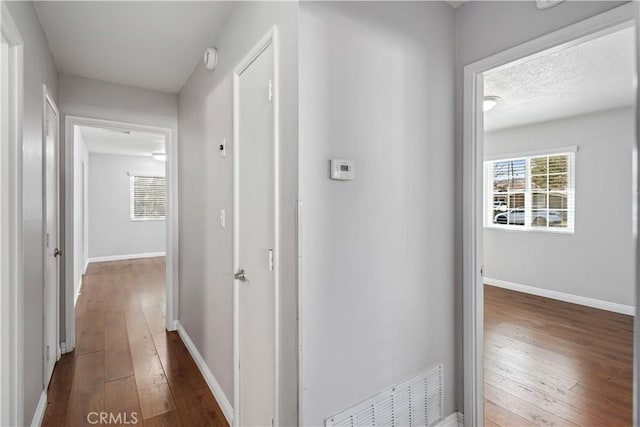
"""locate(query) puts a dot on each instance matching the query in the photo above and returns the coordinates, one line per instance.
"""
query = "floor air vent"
(413, 403)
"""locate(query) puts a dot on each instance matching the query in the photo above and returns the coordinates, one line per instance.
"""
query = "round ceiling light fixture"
(489, 102)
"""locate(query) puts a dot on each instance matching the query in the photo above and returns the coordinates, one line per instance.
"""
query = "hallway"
(125, 363)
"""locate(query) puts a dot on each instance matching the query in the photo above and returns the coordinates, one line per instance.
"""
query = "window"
(148, 198)
(531, 192)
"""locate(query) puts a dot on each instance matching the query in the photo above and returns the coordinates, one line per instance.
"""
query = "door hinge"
(271, 422)
(482, 271)
(47, 354)
(270, 90)
(47, 240)
(270, 259)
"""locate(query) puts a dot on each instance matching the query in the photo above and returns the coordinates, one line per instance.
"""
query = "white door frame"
(11, 324)
(48, 101)
(171, 173)
(636, 330)
(271, 38)
(472, 206)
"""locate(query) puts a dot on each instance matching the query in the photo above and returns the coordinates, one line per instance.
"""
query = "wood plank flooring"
(551, 363)
(125, 362)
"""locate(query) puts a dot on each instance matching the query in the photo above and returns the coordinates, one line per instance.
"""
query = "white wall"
(80, 207)
(111, 101)
(598, 260)
(111, 232)
(484, 28)
(39, 69)
(206, 184)
(377, 272)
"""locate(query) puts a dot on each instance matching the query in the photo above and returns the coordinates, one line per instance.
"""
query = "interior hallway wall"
(377, 255)
(484, 28)
(111, 231)
(206, 186)
(39, 69)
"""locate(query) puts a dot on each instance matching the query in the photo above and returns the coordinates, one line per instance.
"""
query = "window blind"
(148, 198)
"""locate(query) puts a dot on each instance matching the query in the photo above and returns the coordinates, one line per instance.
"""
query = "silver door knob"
(57, 252)
(240, 276)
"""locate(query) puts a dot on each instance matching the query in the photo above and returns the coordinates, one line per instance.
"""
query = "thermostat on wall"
(342, 170)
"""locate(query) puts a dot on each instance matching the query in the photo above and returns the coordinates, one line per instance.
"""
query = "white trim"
(76, 294)
(270, 38)
(172, 248)
(453, 420)
(38, 416)
(636, 154)
(472, 203)
(12, 334)
(146, 174)
(125, 257)
(533, 153)
(86, 265)
(215, 388)
(562, 296)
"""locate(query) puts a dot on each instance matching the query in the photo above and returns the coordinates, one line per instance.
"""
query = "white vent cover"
(413, 403)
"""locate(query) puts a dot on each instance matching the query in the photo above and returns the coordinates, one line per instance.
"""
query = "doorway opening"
(550, 279)
(119, 209)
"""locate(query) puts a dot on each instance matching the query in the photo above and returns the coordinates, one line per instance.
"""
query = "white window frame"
(488, 193)
(132, 216)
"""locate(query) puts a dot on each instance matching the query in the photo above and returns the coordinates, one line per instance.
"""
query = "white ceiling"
(592, 76)
(106, 141)
(149, 44)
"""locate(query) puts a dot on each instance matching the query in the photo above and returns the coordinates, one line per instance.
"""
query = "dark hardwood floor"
(551, 363)
(125, 362)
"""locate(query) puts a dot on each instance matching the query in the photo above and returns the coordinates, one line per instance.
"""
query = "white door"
(51, 234)
(255, 235)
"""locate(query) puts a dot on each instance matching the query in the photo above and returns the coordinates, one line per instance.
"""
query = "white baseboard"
(454, 420)
(125, 257)
(86, 265)
(561, 296)
(39, 414)
(226, 407)
(77, 292)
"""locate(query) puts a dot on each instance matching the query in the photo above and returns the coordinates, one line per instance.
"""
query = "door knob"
(57, 252)
(240, 276)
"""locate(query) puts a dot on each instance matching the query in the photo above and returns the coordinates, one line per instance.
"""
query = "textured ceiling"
(149, 44)
(106, 141)
(592, 76)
